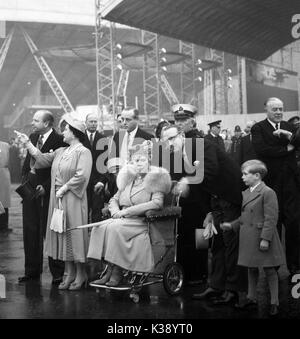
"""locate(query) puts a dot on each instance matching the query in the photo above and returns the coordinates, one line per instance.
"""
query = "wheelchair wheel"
(173, 278)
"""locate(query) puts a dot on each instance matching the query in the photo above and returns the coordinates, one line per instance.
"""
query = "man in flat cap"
(214, 134)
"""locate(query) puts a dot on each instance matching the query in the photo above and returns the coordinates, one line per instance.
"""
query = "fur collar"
(157, 179)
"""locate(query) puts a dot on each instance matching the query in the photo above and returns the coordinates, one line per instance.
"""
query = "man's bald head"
(42, 121)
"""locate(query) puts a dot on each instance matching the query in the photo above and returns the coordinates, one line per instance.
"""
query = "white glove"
(209, 231)
(23, 138)
(61, 192)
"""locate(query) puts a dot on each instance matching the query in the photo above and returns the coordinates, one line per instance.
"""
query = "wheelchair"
(163, 232)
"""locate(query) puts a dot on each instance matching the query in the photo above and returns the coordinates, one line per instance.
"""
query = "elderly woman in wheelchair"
(123, 242)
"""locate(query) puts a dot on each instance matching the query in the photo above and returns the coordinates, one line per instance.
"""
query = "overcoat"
(74, 171)
(5, 183)
(258, 221)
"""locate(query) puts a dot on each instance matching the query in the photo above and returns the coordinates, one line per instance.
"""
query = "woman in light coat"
(70, 173)
(124, 242)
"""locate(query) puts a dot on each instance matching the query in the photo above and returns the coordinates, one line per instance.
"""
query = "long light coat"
(125, 242)
(5, 183)
(75, 170)
(258, 221)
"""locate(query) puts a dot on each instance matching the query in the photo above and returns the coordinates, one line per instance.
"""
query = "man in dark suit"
(214, 134)
(129, 135)
(275, 142)
(35, 211)
(98, 178)
(220, 193)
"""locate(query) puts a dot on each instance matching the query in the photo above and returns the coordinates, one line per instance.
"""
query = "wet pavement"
(35, 300)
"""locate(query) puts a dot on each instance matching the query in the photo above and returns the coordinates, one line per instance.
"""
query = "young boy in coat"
(259, 244)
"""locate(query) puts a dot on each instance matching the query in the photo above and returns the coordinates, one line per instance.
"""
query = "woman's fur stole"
(157, 179)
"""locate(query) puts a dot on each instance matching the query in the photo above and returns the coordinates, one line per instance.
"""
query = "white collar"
(215, 136)
(133, 133)
(90, 133)
(273, 124)
(46, 135)
(253, 188)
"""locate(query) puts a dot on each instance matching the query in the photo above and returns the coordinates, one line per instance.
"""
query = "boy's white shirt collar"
(253, 187)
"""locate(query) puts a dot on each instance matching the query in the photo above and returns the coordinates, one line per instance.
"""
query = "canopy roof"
(251, 28)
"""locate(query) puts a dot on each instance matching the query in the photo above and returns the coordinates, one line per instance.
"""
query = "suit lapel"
(48, 142)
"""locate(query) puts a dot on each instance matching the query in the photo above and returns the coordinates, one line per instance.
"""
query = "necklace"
(70, 150)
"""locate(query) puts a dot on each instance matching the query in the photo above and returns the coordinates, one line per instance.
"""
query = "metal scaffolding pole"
(242, 84)
(5, 47)
(151, 72)
(49, 75)
(106, 65)
(188, 74)
(208, 89)
(220, 84)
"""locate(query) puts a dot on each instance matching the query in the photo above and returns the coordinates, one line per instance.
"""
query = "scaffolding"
(208, 89)
(188, 74)
(49, 75)
(5, 47)
(220, 84)
(151, 74)
(106, 64)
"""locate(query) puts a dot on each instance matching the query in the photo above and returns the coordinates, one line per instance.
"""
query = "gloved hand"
(61, 192)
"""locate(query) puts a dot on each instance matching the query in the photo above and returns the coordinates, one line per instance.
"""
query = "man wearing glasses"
(275, 141)
(214, 134)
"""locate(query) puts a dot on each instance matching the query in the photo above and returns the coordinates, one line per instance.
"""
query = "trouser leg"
(32, 238)
(4, 220)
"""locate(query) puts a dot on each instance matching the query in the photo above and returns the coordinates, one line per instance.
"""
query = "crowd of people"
(249, 190)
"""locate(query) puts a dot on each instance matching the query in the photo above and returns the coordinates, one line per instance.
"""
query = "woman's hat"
(113, 163)
(144, 149)
(75, 123)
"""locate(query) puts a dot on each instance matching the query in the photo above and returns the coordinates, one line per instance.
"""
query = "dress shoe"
(116, 277)
(274, 310)
(66, 283)
(76, 286)
(104, 277)
(229, 299)
(27, 278)
(245, 304)
(57, 281)
(207, 294)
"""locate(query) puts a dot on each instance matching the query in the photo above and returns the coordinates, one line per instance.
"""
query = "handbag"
(58, 220)
(201, 242)
(26, 190)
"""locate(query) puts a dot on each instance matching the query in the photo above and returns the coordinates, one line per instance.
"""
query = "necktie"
(276, 126)
(91, 139)
(40, 142)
